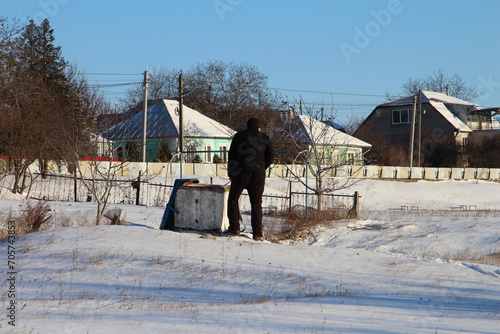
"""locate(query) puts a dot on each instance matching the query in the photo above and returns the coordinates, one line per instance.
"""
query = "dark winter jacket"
(251, 150)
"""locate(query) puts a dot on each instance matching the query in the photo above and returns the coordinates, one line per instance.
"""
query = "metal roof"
(163, 122)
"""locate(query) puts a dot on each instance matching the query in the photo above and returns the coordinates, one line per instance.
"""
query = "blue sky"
(364, 47)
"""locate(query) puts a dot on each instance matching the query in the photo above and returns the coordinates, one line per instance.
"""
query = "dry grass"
(98, 258)
(34, 216)
(31, 218)
(298, 225)
(467, 256)
(259, 300)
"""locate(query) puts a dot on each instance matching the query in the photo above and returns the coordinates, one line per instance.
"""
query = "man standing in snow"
(250, 154)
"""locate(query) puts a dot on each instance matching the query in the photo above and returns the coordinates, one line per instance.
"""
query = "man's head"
(253, 123)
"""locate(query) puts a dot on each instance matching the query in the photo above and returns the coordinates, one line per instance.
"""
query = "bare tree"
(163, 84)
(99, 178)
(32, 89)
(79, 138)
(439, 82)
(229, 93)
(353, 123)
(317, 145)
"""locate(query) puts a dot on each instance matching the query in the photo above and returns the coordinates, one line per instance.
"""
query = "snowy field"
(431, 270)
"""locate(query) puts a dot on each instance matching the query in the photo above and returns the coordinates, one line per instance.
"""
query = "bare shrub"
(4, 225)
(34, 216)
(299, 224)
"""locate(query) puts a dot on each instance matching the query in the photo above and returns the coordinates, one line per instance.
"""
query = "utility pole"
(419, 128)
(412, 133)
(181, 121)
(144, 115)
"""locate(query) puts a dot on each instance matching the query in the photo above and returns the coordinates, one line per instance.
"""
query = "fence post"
(75, 184)
(354, 211)
(137, 186)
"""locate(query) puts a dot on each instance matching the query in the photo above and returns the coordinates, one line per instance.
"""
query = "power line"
(112, 74)
(329, 93)
(272, 88)
(114, 85)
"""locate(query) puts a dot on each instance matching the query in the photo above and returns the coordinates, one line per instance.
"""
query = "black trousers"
(254, 183)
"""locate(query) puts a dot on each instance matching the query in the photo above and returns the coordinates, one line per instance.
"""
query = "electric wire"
(340, 106)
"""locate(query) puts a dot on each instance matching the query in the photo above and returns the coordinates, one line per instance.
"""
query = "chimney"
(447, 90)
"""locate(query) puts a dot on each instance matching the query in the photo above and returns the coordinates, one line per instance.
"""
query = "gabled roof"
(163, 122)
(311, 131)
(426, 97)
(445, 105)
(450, 117)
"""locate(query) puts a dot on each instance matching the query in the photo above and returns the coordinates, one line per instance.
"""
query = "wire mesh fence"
(53, 187)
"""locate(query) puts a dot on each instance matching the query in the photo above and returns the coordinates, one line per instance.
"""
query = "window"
(223, 153)
(336, 158)
(320, 157)
(401, 116)
(208, 153)
(351, 158)
(465, 141)
(191, 152)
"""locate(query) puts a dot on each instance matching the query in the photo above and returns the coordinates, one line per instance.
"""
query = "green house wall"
(192, 144)
(343, 156)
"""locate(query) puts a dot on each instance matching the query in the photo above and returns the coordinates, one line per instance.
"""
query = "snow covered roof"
(334, 125)
(311, 130)
(442, 103)
(426, 97)
(163, 122)
(450, 117)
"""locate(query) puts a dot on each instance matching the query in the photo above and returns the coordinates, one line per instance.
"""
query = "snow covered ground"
(432, 270)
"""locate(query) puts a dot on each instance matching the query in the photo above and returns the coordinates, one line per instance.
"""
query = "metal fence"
(145, 192)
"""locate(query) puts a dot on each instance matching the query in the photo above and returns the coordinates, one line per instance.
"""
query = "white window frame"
(223, 153)
(191, 155)
(400, 113)
(208, 152)
(351, 158)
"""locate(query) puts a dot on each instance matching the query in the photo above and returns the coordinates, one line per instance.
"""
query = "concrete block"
(174, 169)
(121, 168)
(494, 173)
(457, 173)
(388, 172)
(188, 169)
(416, 173)
(202, 207)
(403, 172)
(158, 168)
(373, 172)
(205, 169)
(358, 172)
(470, 173)
(276, 171)
(444, 173)
(483, 173)
(221, 170)
(342, 171)
(135, 167)
(431, 173)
